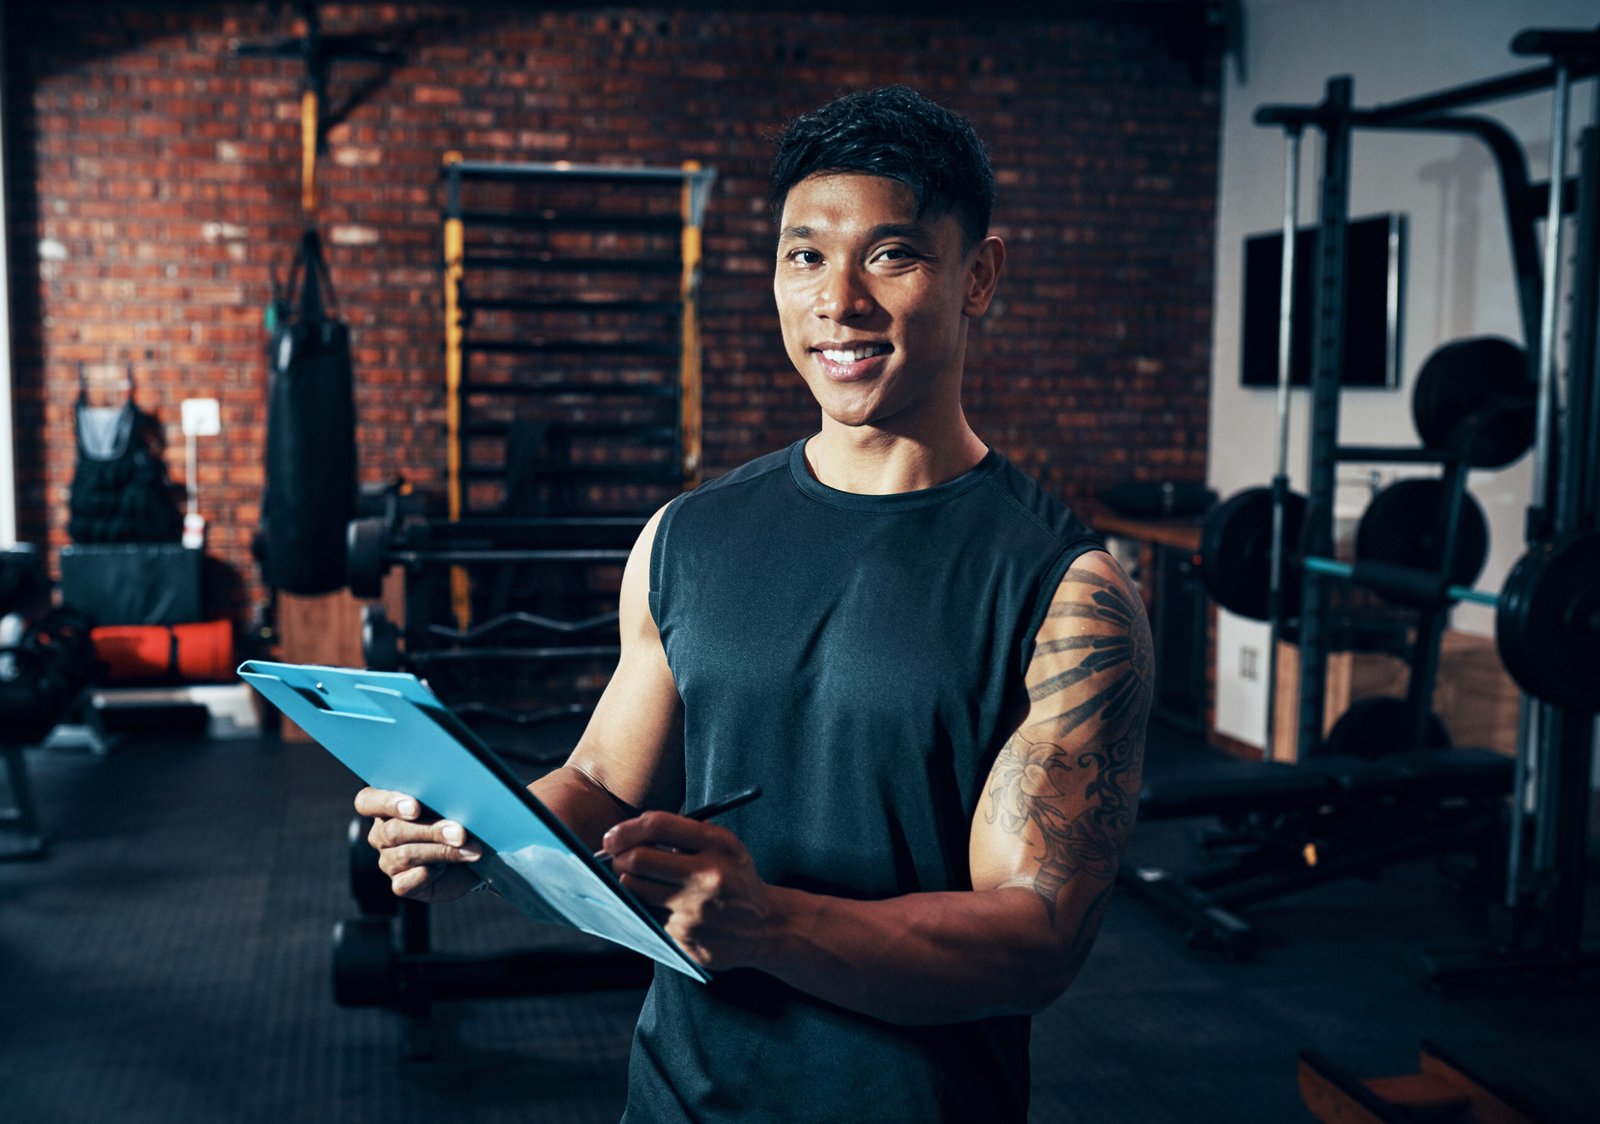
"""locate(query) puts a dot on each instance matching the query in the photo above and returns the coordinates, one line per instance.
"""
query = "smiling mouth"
(845, 356)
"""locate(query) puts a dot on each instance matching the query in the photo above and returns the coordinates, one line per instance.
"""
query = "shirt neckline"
(894, 501)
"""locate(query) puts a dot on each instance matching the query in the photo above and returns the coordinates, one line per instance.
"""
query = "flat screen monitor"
(1375, 250)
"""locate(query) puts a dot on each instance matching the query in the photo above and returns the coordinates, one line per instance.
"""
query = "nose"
(843, 296)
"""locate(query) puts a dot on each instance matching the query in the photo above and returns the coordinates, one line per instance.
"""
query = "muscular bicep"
(1060, 799)
(632, 745)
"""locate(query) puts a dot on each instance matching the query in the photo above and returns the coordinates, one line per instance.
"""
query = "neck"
(876, 462)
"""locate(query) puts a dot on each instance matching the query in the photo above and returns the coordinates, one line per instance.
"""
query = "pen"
(706, 811)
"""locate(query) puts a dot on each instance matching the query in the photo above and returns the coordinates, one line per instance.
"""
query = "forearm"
(922, 958)
(580, 802)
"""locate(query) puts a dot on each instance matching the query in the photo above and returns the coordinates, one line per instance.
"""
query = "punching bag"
(311, 438)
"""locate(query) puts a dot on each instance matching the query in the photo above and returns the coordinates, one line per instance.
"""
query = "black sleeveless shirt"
(856, 656)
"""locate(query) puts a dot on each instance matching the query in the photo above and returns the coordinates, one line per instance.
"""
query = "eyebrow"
(913, 230)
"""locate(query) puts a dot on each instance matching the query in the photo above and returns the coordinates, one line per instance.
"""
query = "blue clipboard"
(394, 733)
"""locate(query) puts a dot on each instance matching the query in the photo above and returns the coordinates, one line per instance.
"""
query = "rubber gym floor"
(169, 961)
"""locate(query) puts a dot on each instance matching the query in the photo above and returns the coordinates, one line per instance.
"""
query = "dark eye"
(805, 257)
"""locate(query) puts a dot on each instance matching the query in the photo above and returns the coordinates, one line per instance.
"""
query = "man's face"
(874, 301)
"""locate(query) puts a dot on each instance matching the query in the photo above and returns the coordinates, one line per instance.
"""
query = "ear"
(987, 262)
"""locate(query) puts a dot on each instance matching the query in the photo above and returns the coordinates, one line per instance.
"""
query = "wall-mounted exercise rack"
(572, 361)
(571, 303)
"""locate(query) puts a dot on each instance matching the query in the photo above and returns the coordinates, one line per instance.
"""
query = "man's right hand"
(420, 853)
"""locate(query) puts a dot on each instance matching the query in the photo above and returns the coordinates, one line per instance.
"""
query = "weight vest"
(120, 491)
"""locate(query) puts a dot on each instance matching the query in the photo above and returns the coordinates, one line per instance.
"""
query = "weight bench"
(1292, 827)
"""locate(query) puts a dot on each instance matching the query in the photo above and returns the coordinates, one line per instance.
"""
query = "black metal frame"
(1566, 500)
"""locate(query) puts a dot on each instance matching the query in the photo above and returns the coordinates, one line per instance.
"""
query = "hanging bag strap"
(83, 383)
(316, 297)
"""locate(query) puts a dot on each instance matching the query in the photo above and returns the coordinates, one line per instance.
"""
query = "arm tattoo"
(1124, 657)
(1034, 781)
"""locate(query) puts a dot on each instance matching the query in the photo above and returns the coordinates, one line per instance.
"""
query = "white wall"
(8, 489)
(1458, 278)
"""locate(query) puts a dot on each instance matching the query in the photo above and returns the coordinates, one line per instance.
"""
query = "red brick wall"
(156, 189)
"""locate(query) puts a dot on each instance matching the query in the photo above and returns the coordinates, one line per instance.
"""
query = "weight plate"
(1404, 526)
(1236, 553)
(1547, 625)
(1475, 397)
(369, 886)
(365, 963)
(1376, 727)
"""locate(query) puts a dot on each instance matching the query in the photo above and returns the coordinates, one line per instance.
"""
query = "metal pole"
(689, 381)
(1327, 363)
(1546, 764)
(8, 492)
(1550, 310)
(1280, 480)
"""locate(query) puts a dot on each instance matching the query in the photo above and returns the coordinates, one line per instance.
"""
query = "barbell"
(1547, 613)
(1399, 548)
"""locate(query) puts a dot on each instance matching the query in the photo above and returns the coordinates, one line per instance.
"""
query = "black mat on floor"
(169, 961)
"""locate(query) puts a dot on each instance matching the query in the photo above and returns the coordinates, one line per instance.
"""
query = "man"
(934, 672)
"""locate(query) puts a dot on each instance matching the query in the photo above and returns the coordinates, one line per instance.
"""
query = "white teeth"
(854, 354)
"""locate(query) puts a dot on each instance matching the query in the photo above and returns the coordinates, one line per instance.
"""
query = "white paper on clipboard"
(394, 733)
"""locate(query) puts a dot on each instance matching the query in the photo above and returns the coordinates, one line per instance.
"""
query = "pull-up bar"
(1577, 52)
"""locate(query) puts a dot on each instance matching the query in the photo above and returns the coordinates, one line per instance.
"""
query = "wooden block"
(324, 629)
(1475, 696)
(1350, 676)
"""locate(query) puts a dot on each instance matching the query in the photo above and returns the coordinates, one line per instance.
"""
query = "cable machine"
(1544, 890)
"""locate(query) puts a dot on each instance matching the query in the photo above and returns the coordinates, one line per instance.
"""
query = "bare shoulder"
(633, 742)
(1092, 662)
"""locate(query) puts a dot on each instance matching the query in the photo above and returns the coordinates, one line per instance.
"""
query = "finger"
(382, 802)
(663, 829)
(411, 883)
(396, 833)
(433, 883)
(670, 868)
(410, 856)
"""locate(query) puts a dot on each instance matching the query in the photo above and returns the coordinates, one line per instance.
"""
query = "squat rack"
(1555, 745)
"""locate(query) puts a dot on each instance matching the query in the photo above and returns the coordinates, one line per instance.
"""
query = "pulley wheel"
(1547, 625)
(1475, 397)
(1404, 526)
(1236, 553)
(366, 556)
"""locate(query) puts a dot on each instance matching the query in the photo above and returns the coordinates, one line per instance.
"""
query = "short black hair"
(896, 133)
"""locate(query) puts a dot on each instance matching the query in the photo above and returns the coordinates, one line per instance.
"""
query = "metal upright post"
(1550, 313)
(1327, 365)
(1280, 479)
(454, 373)
(696, 186)
(1562, 825)
(1548, 455)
